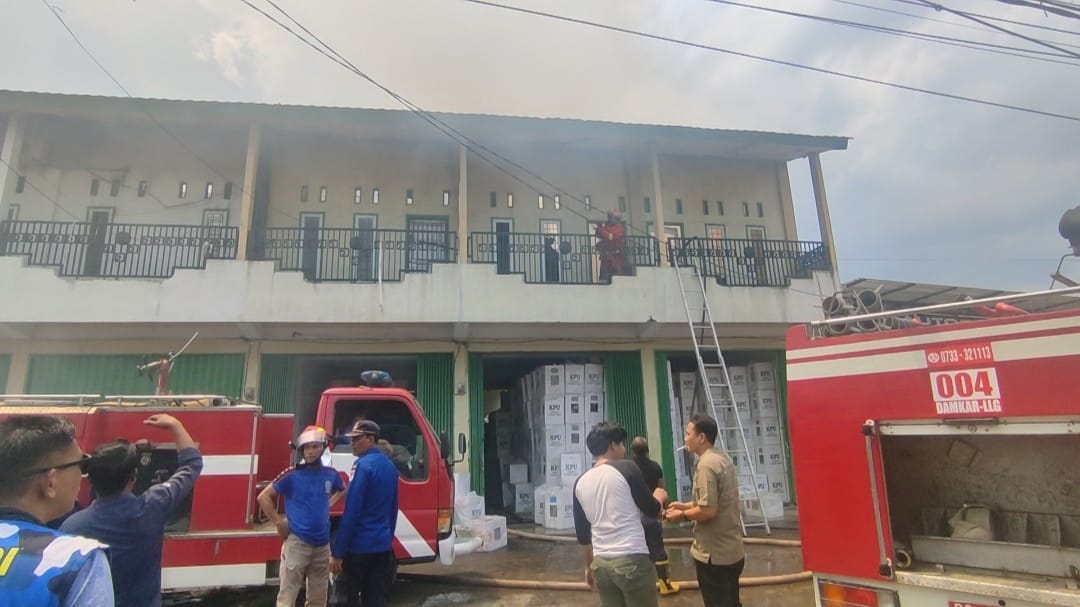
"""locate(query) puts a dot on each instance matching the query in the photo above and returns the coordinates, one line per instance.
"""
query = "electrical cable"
(941, 7)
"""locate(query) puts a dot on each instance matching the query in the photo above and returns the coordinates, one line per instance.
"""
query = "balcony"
(743, 262)
(116, 250)
(570, 259)
(357, 255)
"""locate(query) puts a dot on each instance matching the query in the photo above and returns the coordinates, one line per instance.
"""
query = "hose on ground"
(671, 541)
(466, 580)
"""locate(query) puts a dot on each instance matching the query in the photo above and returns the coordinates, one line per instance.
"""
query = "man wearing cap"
(611, 246)
(134, 525)
(310, 489)
(363, 547)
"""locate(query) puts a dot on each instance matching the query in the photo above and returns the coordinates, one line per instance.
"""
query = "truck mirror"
(461, 444)
(444, 445)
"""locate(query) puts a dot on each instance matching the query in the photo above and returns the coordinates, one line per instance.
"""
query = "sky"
(929, 190)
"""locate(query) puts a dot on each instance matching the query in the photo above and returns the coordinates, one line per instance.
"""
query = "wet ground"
(535, 560)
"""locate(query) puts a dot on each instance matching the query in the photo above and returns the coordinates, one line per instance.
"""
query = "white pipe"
(467, 547)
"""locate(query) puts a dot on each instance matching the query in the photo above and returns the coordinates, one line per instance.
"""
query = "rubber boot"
(663, 579)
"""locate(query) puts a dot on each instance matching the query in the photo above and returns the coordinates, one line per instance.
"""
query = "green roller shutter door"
(277, 382)
(625, 391)
(476, 422)
(667, 446)
(5, 364)
(435, 389)
(221, 374)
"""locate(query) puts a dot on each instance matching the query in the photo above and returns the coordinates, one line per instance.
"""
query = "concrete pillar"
(463, 204)
(461, 398)
(252, 369)
(658, 209)
(9, 154)
(787, 204)
(247, 197)
(822, 202)
(19, 369)
(652, 401)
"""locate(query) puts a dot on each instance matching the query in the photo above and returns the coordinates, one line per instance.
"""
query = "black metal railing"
(357, 255)
(561, 259)
(116, 250)
(745, 262)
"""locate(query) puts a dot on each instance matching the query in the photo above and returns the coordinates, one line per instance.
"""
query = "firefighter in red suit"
(612, 247)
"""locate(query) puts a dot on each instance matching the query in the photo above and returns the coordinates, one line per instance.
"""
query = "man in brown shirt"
(718, 547)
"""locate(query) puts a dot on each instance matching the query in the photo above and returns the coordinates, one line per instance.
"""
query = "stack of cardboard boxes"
(471, 520)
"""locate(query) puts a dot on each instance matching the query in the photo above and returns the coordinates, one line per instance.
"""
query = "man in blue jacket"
(363, 547)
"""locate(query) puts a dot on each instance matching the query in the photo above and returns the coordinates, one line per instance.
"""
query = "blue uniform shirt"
(371, 506)
(307, 490)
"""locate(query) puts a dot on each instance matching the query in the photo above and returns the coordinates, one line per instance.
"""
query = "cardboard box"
(554, 439)
(772, 455)
(764, 404)
(491, 530)
(595, 411)
(517, 474)
(715, 379)
(553, 472)
(767, 432)
(552, 381)
(762, 375)
(594, 378)
(575, 379)
(778, 485)
(574, 439)
(572, 467)
(507, 495)
(684, 488)
(746, 484)
(523, 499)
(461, 485)
(554, 410)
(740, 381)
(575, 408)
(469, 508)
(540, 498)
(773, 505)
(560, 511)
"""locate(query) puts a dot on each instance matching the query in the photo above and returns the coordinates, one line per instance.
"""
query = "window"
(408, 197)
(95, 183)
(760, 210)
(678, 206)
(755, 232)
(746, 209)
(493, 200)
(550, 227)
(398, 427)
(114, 187)
(446, 198)
(20, 184)
(141, 190)
(704, 207)
(13, 212)
(183, 190)
(720, 207)
(715, 231)
(303, 193)
(648, 205)
(215, 218)
(588, 201)
(671, 230)
(322, 194)
(375, 196)
(622, 204)
(208, 193)
(540, 201)
(227, 192)
(357, 195)
(558, 202)
(510, 200)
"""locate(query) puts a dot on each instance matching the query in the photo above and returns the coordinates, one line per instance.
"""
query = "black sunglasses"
(83, 463)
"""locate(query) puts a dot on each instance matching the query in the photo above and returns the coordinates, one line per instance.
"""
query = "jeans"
(626, 581)
(720, 583)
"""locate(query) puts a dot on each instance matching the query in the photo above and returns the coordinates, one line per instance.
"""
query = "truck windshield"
(401, 440)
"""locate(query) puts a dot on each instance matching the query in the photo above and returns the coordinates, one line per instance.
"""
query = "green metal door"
(435, 389)
(476, 422)
(221, 374)
(5, 364)
(277, 382)
(625, 391)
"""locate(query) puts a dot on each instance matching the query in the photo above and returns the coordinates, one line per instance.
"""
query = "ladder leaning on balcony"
(714, 375)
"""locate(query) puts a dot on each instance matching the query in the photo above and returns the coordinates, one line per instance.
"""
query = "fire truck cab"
(939, 465)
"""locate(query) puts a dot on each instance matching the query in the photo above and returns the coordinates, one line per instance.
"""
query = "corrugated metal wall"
(476, 422)
(115, 374)
(435, 389)
(667, 446)
(277, 382)
(5, 364)
(625, 391)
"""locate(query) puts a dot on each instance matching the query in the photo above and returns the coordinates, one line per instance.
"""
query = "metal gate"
(115, 374)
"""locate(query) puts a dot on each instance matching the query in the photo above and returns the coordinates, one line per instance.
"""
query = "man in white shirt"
(609, 501)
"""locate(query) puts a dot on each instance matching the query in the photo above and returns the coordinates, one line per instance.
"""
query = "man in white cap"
(310, 489)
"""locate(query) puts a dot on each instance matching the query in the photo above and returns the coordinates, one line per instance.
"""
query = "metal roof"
(897, 295)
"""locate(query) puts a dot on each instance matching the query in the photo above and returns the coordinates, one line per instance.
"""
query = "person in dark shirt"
(310, 489)
(134, 526)
(654, 531)
(364, 545)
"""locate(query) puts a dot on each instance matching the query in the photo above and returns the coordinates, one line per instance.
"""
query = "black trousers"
(719, 583)
(368, 578)
(654, 538)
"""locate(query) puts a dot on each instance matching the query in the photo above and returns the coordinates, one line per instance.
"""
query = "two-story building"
(306, 244)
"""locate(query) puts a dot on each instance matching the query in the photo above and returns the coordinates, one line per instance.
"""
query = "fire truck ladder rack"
(720, 396)
(105, 400)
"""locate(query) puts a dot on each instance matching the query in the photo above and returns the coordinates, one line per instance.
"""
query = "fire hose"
(486, 582)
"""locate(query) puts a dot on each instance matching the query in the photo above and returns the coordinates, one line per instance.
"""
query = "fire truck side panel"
(275, 452)
(1019, 367)
(203, 561)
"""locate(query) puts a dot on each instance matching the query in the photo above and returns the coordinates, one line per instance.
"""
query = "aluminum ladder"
(718, 392)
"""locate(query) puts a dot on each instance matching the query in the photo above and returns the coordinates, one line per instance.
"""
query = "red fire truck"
(939, 466)
(218, 538)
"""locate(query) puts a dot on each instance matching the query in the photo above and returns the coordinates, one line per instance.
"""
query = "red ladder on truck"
(718, 394)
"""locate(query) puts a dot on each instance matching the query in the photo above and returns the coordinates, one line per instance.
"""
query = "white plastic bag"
(973, 522)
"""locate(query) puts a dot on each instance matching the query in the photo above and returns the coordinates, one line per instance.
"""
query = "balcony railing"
(743, 262)
(116, 250)
(561, 259)
(357, 255)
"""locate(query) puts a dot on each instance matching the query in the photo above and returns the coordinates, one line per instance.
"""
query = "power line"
(963, 25)
(1061, 9)
(978, 45)
(793, 64)
(941, 7)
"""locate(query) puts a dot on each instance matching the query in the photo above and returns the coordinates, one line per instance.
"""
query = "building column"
(9, 154)
(652, 403)
(247, 197)
(787, 204)
(461, 400)
(822, 202)
(463, 204)
(252, 369)
(19, 368)
(658, 209)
